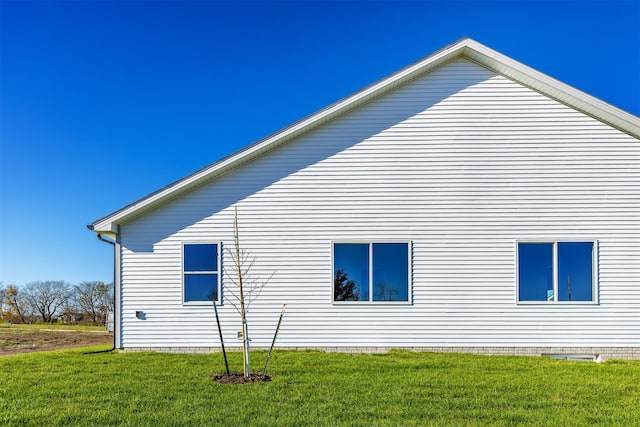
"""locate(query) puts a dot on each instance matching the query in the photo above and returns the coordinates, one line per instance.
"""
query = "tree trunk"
(243, 315)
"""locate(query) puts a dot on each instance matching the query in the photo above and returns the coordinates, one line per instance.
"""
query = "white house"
(465, 203)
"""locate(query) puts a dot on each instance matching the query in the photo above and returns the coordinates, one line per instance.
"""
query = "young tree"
(15, 301)
(46, 298)
(2, 300)
(106, 300)
(94, 299)
(246, 288)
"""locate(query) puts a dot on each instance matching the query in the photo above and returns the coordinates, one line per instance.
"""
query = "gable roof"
(465, 48)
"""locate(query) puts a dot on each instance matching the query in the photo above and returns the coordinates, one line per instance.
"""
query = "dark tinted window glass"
(575, 271)
(201, 257)
(535, 271)
(200, 287)
(390, 272)
(351, 272)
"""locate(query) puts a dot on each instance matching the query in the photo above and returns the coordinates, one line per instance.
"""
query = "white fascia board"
(540, 82)
(466, 48)
(108, 234)
(106, 228)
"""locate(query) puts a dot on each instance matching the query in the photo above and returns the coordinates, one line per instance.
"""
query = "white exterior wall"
(462, 162)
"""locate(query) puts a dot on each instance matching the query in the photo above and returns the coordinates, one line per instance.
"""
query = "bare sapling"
(246, 288)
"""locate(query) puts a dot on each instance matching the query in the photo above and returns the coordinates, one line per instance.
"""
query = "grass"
(314, 388)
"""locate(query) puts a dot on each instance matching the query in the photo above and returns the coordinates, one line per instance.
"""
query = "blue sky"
(102, 103)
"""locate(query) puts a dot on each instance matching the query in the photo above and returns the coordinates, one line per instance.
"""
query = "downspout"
(113, 347)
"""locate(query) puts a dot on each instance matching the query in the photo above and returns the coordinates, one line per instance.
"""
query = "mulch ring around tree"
(239, 378)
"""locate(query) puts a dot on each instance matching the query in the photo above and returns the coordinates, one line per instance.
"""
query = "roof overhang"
(465, 48)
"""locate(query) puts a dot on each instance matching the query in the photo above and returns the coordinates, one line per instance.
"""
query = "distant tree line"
(56, 301)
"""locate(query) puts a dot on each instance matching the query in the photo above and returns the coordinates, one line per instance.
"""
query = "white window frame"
(409, 244)
(554, 242)
(219, 272)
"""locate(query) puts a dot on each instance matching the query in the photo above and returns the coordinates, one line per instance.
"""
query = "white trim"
(465, 48)
(218, 272)
(595, 286)
(370, 244)
(596, 272)
(117, 289)
(554, 271)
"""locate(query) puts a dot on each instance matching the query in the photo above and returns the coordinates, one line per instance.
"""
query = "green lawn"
(313, 388)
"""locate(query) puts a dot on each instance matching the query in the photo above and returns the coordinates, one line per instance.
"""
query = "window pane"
(200, 287)
(575, 271)
(390, 272)
(351, 272)
(201, 257)
(535, 271)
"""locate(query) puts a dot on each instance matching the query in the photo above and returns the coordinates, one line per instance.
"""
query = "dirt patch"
(238, 378)
(18, 341)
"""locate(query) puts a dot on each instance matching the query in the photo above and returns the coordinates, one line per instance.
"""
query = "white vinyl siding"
(461, 162)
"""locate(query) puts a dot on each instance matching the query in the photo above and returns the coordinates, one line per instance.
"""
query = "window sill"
(370, 303)
(199, 303)
(557, 303)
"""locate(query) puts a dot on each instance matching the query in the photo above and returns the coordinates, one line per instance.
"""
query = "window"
(556, 272)
(371, 272)
(200, 271)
